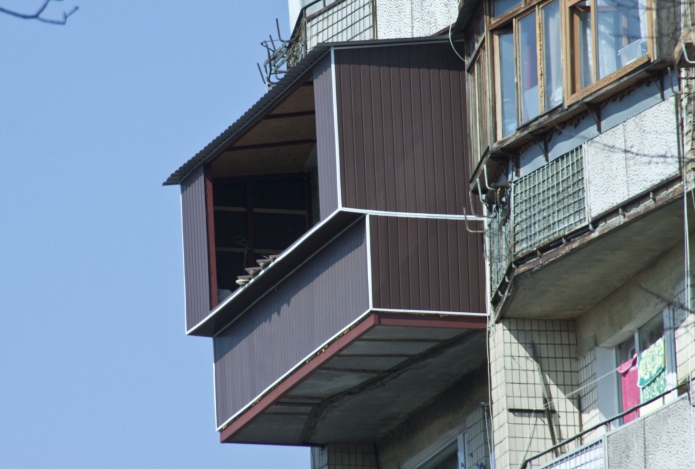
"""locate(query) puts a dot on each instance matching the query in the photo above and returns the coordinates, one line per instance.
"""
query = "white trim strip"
(183, 261)
(433, 216)
(336, 132)
(214, 389)
(369, 261)
(430, 312)
(410, 41)
(295, 367)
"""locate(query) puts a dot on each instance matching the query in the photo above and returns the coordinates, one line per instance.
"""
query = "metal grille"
(349, 20)
(499, 248)
(586, 457)
(549, 202)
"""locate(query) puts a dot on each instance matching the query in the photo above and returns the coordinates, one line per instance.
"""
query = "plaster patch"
(651, 148)
(606, 171)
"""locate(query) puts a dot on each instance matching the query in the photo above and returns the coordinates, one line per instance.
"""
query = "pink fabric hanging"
(630, 390)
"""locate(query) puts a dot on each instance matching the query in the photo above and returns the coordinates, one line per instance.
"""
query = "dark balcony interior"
(570, 279)
(265, 189)
(256, 218)
(366, 386)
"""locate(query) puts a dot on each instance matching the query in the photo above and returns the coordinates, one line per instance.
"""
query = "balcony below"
(348, 326)
(663, 438)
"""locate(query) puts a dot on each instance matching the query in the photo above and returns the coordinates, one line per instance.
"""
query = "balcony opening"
(256, 218)
(264, 191)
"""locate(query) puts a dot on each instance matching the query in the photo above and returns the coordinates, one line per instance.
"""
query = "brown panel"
(400, 112)
(295, 317)
(195, 247)
(325, 138)
(212, 258)
(368, 132)
(426, 264)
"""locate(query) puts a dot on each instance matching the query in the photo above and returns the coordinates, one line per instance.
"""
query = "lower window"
(645, 361)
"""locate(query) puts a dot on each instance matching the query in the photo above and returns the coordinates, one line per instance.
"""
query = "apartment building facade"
(578, 119)
(453, 234)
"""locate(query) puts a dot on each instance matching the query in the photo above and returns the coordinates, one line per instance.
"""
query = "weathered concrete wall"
(439, 422)
(520, 426)
(664, 438)
(621, 313)
(413, 18)
(631, 157)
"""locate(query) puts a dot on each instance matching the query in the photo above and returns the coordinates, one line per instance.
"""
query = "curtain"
(630, 390)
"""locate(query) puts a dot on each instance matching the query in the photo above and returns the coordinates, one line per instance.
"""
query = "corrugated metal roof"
(277, 92)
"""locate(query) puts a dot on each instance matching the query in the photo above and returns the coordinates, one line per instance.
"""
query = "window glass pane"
(445, 459)
(625, 350)
(507, 84)
(582, 46)
(500, 7)
(551, 55)
(480, 91)
(528, 58)
(622, 33)
(651, 332)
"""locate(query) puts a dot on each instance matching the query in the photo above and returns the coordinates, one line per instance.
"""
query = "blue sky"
(95, 369)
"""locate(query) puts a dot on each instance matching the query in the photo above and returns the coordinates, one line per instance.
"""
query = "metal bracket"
(595, 112)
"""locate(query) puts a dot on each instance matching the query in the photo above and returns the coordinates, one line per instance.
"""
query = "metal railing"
(320, 21)
(567, 458)
(590, 456)
(499, 247)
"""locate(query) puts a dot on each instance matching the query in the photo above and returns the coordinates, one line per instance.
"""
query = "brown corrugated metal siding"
(195, 247)
(325, 138)
(292, 320)
(426, 264)
(401, 128)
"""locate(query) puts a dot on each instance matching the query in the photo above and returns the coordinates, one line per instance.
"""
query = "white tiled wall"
(519, 422)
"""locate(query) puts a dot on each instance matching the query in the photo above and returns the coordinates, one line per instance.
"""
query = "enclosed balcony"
(326, 248)
(605, 194)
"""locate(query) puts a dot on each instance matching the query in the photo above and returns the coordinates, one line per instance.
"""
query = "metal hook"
(670, 82)
(480, 192)
(465, 221)
(685, 54)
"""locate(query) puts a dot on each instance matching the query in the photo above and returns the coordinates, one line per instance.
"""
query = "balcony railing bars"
(320, 21)
(590, 456)
(549, 202)
(527, 463)
(546, 205)
(500, 247)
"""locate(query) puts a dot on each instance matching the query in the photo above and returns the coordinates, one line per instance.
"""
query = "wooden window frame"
(570, 34)
(510, 21)
(497, 67)
(479, 117)
(568, 61)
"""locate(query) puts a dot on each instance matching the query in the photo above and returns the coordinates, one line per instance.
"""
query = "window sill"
(573, 98)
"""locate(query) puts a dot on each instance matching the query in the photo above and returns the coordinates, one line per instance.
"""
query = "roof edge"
(278, 92)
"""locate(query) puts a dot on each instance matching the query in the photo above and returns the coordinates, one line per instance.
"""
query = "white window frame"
(610, 397)
(461, 448)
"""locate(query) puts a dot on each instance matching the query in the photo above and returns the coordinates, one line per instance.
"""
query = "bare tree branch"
(37, 15)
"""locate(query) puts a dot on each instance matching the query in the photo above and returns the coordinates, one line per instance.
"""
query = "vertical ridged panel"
(325, 138)
(306, 309)
(401, 128)
(426, 264)
(195, 247)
